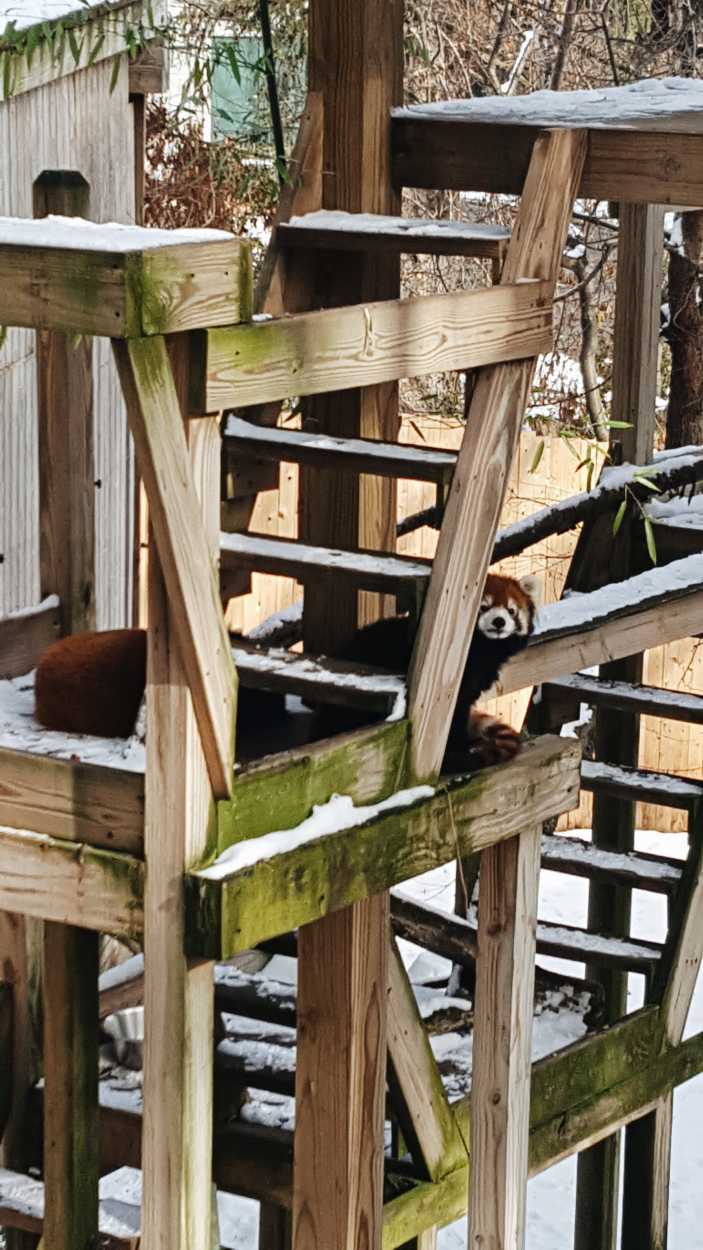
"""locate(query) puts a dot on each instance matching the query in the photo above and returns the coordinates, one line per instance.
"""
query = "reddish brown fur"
(92, 683)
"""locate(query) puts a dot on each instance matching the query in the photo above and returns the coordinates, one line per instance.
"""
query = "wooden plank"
(679, 971)
(70, 1052)
(428, 1126)
(22, 1207)
(630, 166)
(640, 630)
(123, 293)
(365, 344)
(647, 700)
(20, 950)
(478, 488)
(304, 562)
(639, 784)
(155, 421)
(80, 802)
(359, 455)
(648, 1155)
(502, 1042)
(279, 793)
(148, 70)
(378, 233)
(318, 678)
(70, 883)
(636, 330)
(178, 994)
(340, 1075)
(272, 895)
(578, 858)
(53, 58)
(25, 634)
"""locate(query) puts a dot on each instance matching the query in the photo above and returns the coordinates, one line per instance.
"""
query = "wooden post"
(638, 296)
(178, 994)
(646, 1182)
(502, 1054)
(67, 568)
(356, 68)
(20, 956)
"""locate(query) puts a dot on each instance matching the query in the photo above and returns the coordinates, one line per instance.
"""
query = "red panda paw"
(492, 741)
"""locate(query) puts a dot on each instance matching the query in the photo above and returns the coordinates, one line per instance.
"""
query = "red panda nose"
(499, 623)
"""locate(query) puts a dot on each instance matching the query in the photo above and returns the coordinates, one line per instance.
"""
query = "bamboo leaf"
(644, 481)
(3, 335)
(589, 474)
(539, 452)
(651, 543)
(95, 50)
(619, 425)
(619, 517)
(114, 76)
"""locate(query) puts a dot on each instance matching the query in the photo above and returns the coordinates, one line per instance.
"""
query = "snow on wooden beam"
(71, 883)
(367, 232)
(22, 1208)
(60, 273)
(268, 885)
(364, 344)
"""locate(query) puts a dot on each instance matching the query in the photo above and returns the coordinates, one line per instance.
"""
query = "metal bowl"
(125, 1029)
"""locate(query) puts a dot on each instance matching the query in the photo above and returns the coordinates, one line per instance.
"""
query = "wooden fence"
(668, 746)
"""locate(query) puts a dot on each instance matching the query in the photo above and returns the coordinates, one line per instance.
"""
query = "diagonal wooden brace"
(162, 454)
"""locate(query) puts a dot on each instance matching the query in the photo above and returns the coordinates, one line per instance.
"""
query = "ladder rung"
(564, 942)
(639, 784)
(359, 455)
(317, 677)
(366, 569)
(648, 700)
(372, 232)
(582, 859)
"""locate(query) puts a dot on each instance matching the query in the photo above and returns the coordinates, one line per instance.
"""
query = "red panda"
(505, 622)
(93, 683)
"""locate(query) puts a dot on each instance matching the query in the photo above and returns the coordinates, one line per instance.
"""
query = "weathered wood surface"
(188, 564)
(636, 330)
(478, 487)
(81, 802)
(148, 70)
(275, 894)
(428, 1126)
(70, 1054)
(581, 859)
(682, 960)
(307, 563)
(502, 1045)
(71, 883)
(26, 1213)
(340, 1078)
(359, 455)
(414, 235)
(51, 60)
(366, 344)
(645, 1214)
(607, 639)
(619, 781)
(647, 700)
(183, 286)
(626, 165)
(24, 635)
(177, 1126)
(318, 678)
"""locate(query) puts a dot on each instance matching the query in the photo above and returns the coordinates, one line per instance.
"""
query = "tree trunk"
(685, 337)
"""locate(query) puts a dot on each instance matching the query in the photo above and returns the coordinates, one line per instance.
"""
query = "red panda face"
(508, 607)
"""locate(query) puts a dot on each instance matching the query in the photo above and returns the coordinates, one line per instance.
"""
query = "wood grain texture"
(636, 332)
(645, 1217)
(502, 1045)
(365, 344)
(627, 165)
(685, 942)
(70, 883)
(426, 1121)
(187, 562)
(79, 802)
(178, 995)
(20, 952)
(608, 640)
(340, 1079)
(295, 887)
(24, 637)
(479, 483)
(70, 1052)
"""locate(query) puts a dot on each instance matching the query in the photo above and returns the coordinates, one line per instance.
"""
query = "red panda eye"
(513, 612)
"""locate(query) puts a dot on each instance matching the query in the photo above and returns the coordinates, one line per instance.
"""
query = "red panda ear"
(531, 586)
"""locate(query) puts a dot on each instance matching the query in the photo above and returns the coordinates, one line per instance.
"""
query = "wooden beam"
(479, 483)
(631, 166)
(607, 640)
(366, 344)
(232, 908)
(71, 883)
(123, 290)
(413, 235)
(188, 564)
(79, 802)
(337, 1195)
(502, 1045)
(178, 994)
(70, 1052)
(148, 70)
(429, 1128)
(25, 634)
(636, 330)
(677, 980)
(646, 1183)
(20, 951)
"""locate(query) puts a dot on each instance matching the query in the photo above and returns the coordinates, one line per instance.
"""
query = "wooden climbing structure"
(198, 861)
